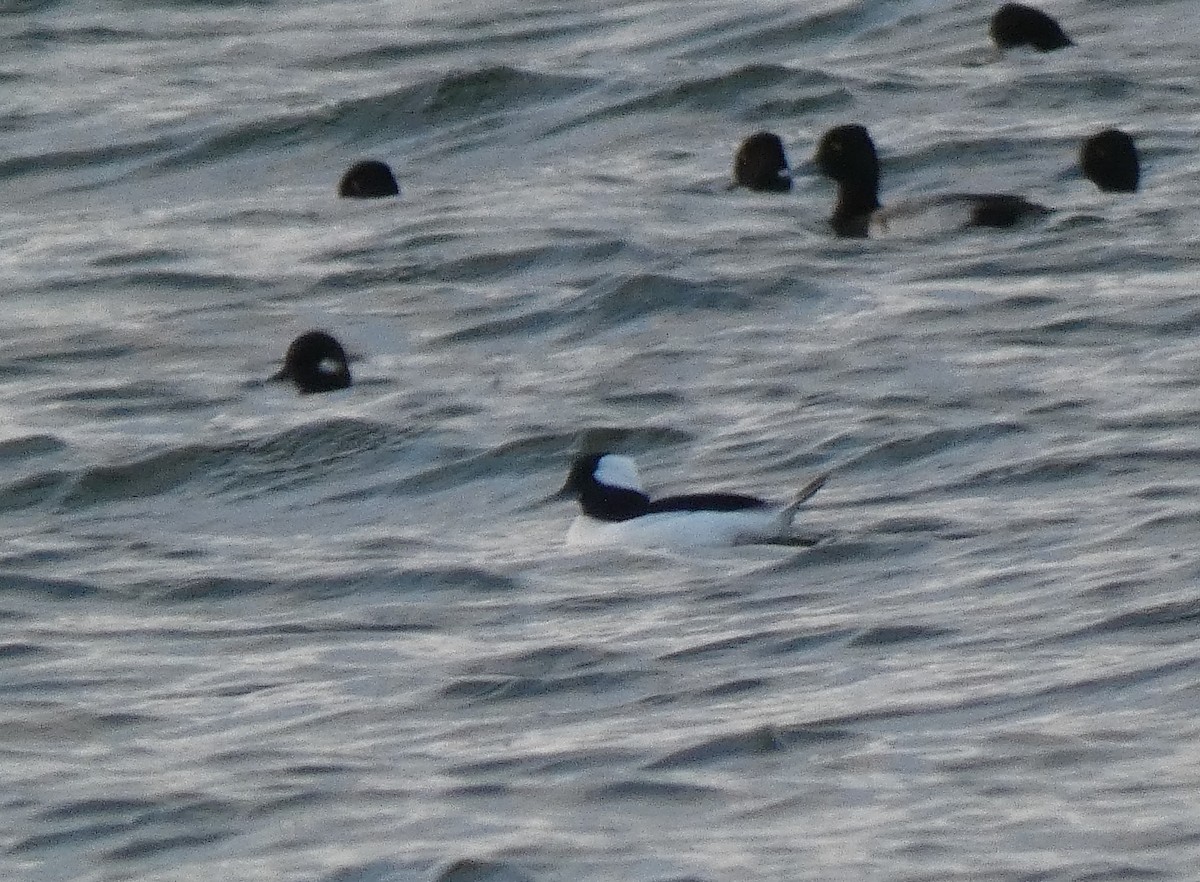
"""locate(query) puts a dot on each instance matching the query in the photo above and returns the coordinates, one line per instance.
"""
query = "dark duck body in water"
(846, 154)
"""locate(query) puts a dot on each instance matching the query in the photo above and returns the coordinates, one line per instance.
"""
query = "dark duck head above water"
(368, 179)
(1109, 160)
(1015, 25)
(315, 362)
(761, 164)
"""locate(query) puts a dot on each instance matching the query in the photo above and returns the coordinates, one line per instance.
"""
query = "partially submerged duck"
(1109, 160)
(761, 164)
(846, 154)
(315, 362)
(368, 179)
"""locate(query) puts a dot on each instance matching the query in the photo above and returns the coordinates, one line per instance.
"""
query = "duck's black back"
(707, 502)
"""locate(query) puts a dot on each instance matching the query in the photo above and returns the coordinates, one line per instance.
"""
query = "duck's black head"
(315, 362)
(1109, 160)
(607, 487)
(761, 164)
(846, 154)
(368, 179)
(1016, 24)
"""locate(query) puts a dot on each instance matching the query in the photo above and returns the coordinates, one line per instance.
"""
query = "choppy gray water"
(252, 636)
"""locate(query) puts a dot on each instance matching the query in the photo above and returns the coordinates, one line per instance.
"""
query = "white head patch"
(618, 471)
(329, 366)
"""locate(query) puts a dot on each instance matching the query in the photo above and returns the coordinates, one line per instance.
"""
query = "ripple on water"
(130, 829)
(890, 635)
(767, 642)
(565, 669)
(750, 743)
(287, 459)
(29, 446)
(44, 588)
(666, 795)
(469, 97)
(1158, 616)
(478, 870)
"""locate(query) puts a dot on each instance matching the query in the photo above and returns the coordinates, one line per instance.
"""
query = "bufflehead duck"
(1016, 24)
(761, 164)
(617, 511)
(368, 179)
(1109, 160)
(846, 154)
(315, 362)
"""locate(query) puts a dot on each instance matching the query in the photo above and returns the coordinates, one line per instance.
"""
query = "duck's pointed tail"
(788, 514)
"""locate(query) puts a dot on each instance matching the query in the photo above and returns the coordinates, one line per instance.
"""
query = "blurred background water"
(250, 635)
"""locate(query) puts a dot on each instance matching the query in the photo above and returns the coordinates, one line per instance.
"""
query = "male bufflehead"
(368, 179)
(846, 154)
(1016, 24)
(761, 164)
(617, 511)
(1109, 160)
(315, 362)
